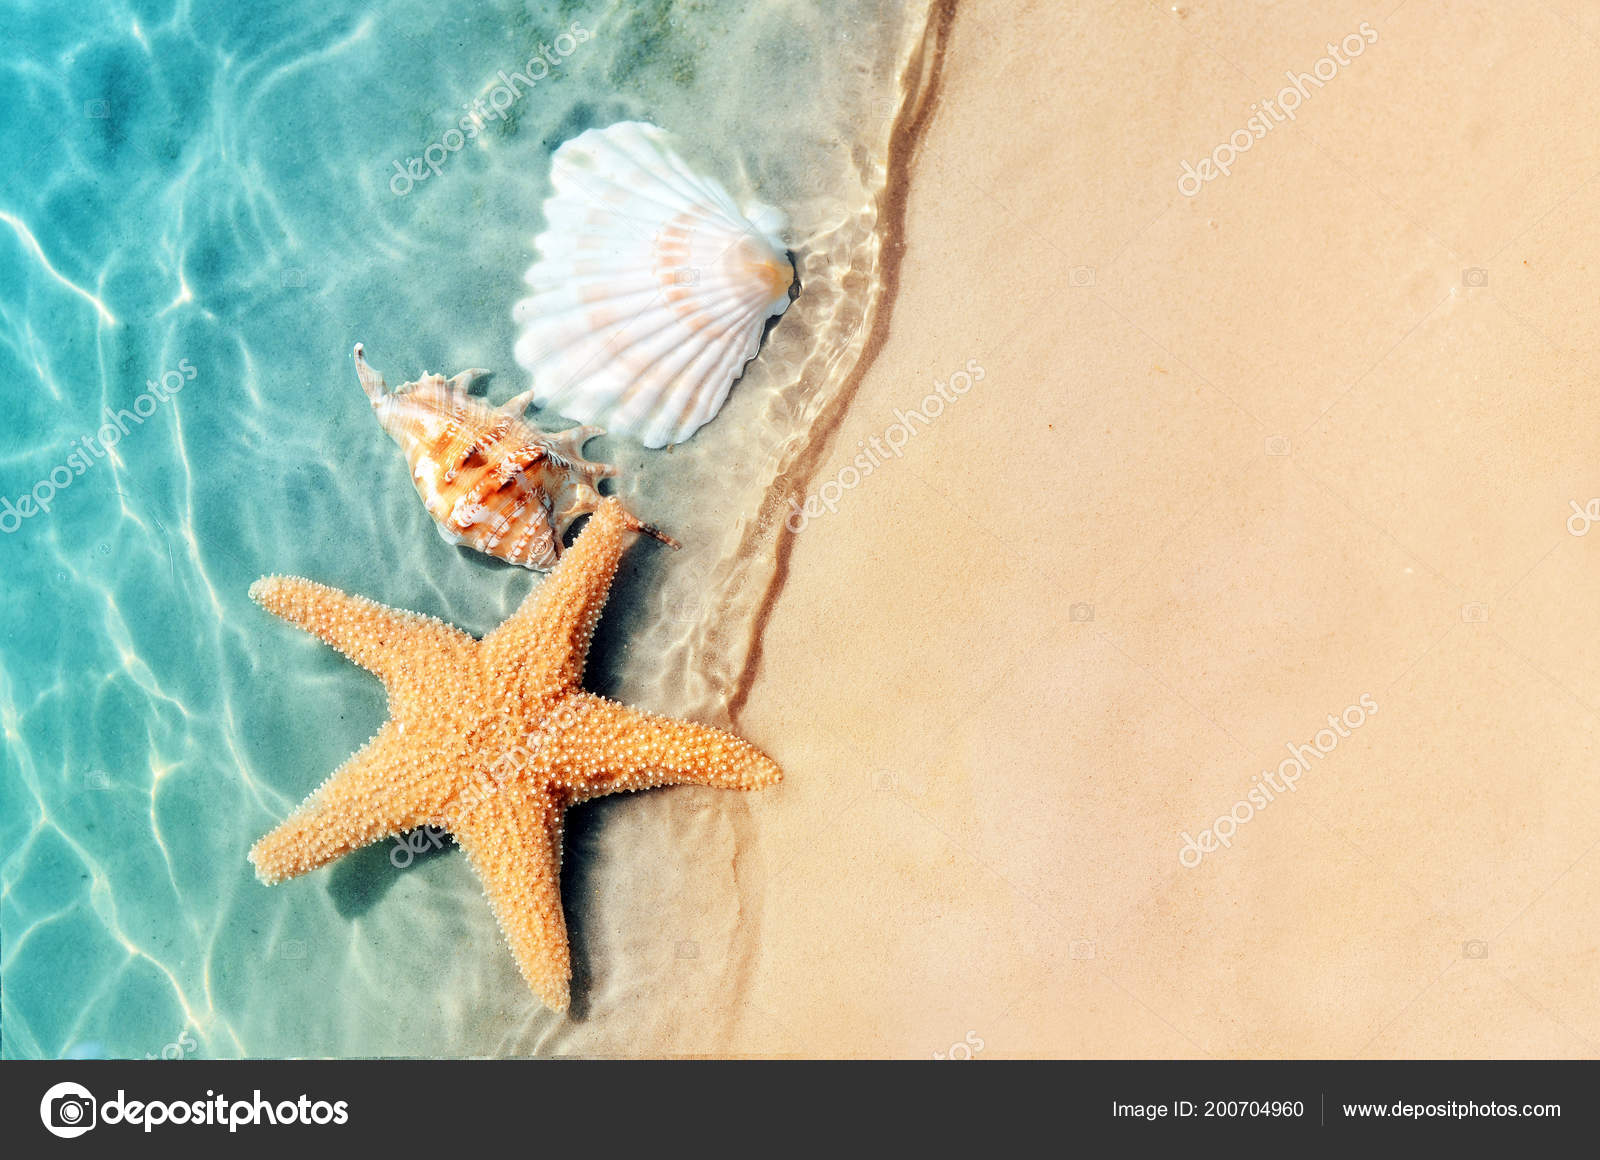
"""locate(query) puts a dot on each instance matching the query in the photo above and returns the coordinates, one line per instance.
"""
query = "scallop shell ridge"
(651, 290)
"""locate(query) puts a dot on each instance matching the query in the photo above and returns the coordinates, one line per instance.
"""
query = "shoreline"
(919, 102)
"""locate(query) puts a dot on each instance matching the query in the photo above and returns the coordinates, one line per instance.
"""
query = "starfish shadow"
(359, 881)
(578, 879)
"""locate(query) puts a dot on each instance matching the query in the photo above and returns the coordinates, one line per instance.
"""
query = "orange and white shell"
(652, 288)
(490, 480)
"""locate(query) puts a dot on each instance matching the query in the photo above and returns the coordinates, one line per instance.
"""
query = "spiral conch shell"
(490, 480)
(652, 288)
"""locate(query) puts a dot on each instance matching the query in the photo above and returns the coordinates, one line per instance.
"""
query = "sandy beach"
(1297, 451)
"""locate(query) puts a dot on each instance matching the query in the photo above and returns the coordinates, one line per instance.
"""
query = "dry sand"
(1236, 460)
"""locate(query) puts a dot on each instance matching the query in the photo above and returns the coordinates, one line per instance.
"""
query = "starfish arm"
(385, 641)
(514, 843)
(601, 747)
(547, 640)
(384, 789)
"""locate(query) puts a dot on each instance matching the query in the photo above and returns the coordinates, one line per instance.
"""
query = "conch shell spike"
(466, 380)
(655, 533)
(517, 404)
(371, 381)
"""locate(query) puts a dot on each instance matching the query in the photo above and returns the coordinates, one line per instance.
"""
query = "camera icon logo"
(1080, 612)
(1081, 949)
(1277, 445)
(97, 110)
(686, 276)
(1474, 948)
(68, 1110)
(1080, 276)
(1475, 613)
(1475, 276)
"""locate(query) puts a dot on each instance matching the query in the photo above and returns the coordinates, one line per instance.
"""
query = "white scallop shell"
(651, 290)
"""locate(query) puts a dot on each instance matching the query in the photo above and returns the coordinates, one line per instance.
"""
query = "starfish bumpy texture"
(493, 740)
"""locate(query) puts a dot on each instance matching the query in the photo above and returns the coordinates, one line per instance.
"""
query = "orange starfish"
(493, 740)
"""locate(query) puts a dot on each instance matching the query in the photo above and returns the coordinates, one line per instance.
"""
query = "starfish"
(492, 740)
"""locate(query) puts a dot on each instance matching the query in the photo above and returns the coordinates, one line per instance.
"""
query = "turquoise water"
(200, 216)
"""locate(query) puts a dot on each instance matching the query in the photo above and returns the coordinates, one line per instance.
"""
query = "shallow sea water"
(208, 193)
